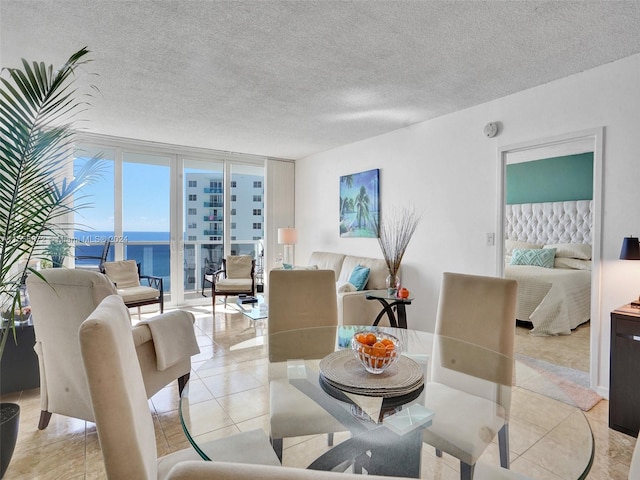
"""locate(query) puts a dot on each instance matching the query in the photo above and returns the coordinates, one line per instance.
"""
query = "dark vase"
(9, 422)
(57, 262)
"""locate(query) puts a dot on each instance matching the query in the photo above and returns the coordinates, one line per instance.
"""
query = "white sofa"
(353, 307)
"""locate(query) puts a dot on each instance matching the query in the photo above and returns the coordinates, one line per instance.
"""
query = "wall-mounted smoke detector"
(490, 130)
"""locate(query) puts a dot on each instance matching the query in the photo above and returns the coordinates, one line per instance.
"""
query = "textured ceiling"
(291, 78)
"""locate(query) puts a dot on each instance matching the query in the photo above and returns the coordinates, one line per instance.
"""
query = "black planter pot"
(57, 262)
(9, 421)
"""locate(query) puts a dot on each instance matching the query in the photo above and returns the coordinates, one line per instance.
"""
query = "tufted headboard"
(550, 223)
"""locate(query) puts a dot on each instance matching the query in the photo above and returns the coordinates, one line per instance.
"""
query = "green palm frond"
(37, 108)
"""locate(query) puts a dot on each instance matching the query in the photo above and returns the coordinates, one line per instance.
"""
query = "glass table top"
(254, 311)
(384, 295)
(231, 393)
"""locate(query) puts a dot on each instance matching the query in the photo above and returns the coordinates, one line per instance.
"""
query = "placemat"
(343, 371)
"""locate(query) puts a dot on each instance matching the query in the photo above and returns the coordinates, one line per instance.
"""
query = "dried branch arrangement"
(395, 232)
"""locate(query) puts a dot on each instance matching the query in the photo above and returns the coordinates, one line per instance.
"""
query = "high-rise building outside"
(204, 219)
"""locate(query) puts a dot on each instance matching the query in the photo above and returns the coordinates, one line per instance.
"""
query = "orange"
(387, 342)
(378, 349)
(371, 339)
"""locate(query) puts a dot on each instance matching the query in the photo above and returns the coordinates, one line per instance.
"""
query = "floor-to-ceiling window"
(94, 221)
(203, 220)
(145, 214)
(247, 215)
(174, 211)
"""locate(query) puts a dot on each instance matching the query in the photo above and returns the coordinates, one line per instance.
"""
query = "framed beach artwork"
(360, 204)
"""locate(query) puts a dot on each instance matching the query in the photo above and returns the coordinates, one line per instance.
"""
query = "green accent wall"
(551, 179)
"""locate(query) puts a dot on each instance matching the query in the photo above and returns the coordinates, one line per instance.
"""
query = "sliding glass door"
(175, 214)
(145, 215)
(223, 214)
(247, 215)
(202, 223)
(94, 223)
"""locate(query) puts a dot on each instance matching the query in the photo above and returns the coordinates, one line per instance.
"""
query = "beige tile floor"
(69, 448)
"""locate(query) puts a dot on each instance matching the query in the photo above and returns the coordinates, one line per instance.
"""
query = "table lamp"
(631, 251)
(288, 237)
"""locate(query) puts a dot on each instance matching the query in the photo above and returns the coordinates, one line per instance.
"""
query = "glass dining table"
(440, 392)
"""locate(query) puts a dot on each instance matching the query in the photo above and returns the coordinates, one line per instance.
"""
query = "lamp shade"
(630, 249)
(287, 236)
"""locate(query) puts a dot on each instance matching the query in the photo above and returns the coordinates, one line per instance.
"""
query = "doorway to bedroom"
(576, 160)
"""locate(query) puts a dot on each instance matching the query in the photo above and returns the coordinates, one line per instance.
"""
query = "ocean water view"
(102, 236)
(153, 254)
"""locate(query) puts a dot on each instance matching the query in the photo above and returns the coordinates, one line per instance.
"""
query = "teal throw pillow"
(359, 277)
(539, 257)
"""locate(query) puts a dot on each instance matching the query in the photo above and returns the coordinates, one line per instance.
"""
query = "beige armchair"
(236, 277)
(122, 416)
(60, 303)
(125, 275)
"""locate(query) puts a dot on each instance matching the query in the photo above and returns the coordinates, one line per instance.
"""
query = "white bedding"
(554, 300)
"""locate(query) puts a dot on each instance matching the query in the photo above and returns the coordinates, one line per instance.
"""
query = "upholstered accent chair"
(207, 275)
(479, 312)
(136, 290)
(236, 277)
(61, 299)
(101, 259)
(122, 416)
(298, 299)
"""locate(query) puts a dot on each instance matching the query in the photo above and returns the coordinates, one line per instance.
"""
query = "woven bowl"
(375, 358)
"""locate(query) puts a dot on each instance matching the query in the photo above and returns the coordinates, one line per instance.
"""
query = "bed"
(548, 252)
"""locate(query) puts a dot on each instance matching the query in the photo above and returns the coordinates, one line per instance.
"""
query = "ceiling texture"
(288, 79)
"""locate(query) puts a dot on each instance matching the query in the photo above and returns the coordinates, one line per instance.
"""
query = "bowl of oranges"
(377, 351)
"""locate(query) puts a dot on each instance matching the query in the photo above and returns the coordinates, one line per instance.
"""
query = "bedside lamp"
(631, 251)
(288, 237)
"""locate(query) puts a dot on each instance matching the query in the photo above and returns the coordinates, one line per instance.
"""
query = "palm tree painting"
(359, 204)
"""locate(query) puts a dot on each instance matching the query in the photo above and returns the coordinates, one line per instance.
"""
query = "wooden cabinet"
(624, 374)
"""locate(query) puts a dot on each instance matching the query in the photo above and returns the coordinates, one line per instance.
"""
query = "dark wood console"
(624, 374)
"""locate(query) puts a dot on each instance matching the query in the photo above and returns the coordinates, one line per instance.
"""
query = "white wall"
(447, 169)
(279, 198)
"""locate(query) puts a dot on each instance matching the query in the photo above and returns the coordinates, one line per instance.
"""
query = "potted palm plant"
(38, 105)
(58, 249)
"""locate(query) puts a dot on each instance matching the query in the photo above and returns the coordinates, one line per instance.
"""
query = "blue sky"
(145, 199)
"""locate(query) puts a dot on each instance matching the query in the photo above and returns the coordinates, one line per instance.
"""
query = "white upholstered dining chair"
(299, 299)
(190, 470)
(478, 311)
(634, 468)
(122, 415)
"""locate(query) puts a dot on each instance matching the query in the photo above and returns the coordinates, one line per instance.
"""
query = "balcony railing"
(213, 190)
(212, 204)
(212, 218)
(154, 258)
